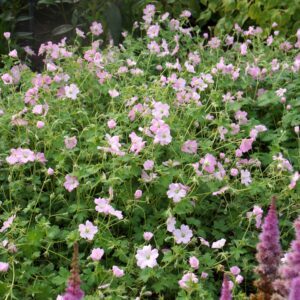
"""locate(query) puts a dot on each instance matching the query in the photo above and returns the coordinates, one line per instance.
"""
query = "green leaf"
(62, 29)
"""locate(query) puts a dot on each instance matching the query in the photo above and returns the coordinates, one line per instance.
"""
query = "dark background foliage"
(35, 21)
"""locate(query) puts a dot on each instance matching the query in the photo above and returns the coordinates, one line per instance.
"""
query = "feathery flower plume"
(225, 293)
(290, 270)
(268, 254)
(73, 291)
(295, 289)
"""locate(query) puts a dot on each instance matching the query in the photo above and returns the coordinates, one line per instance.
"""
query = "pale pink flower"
(29, 51)
(80, 33)
(137, 143)
(71, 91)
(218, 244)
(6, 35)
(163, 135)
(185, 14)
(214, 43)
(111, 123)
(102, 205)
(208, 163)
(7, 223)
(283, 163)
(241, 117)
(171, 222)
(187, 280)
(20, 156)
(117, 271)
(97, 254)
(204, 275)
(148, 165)
(194, 262)
(235, 270)
(183, 235)
(280, 92)
(71, 183)
(40, 157)
(239, 279)
(138, 194)
(153, 31)
(147, 235)
(204, 241)
(220, 191)
(146, 257)
(13, 53)
(258, 213)
(51, 68)
(40, 124)
(190, 146)
(245, 177)
(246, 145)
(4, 267)
(114, 144)
(50, 171)
(114, 93)
(70, 142)
(7, 79)
(88, 230)
(96, 28)
(243, 48)
(160, 110)
(37, 109)
(295, 178)
(177, 191)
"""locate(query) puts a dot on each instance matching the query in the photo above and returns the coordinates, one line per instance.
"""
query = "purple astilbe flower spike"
(225, 293)
(268, 254)
(290, 270)
(295, 289)
(73, 291)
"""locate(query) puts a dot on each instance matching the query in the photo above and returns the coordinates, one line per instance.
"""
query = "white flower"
(146, 257)
(183, 235)
(171, 221)
(218, 244)
(71, 91)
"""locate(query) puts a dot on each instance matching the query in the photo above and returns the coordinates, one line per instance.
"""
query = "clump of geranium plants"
(157, 157)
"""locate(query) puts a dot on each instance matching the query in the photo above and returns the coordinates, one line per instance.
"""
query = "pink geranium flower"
(183, 235)
(7, 223)
(96, 28)
(208, 163)
(117, 271)
(194, 262)
(71, 91)
(4, 267)
(87, 230)
(190, 146)
(177, 191)
(146, 257)
(71, 183)
(70, 142)
(97, 254)
(187, 280)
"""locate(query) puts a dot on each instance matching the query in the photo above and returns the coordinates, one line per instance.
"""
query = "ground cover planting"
(153, 163)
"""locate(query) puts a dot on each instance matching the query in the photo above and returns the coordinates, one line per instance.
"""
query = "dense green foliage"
(218, 118)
